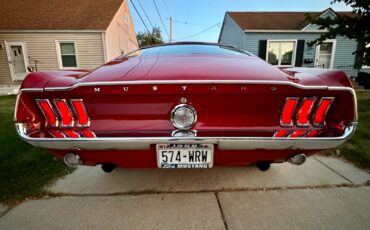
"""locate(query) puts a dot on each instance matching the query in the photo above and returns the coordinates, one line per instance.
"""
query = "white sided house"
(281, 39)
(42, 35)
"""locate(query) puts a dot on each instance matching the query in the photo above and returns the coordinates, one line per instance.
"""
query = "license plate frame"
(187, 153)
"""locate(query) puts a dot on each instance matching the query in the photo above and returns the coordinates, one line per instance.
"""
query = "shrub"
(364, 79)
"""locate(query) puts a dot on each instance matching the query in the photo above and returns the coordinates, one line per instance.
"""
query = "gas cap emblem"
(183, 116)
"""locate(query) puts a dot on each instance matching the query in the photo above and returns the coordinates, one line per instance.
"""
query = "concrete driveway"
(324, 193)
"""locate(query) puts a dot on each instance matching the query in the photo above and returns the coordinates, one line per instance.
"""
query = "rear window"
(187, 49)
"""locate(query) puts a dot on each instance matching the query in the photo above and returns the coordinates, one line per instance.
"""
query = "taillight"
(297, 133)
(288, 110)
(47, 110)
(303, 114)
(71, 134)
(281, 133)
(322, 109)
(81, 114)
(303, 119)
(88, 133)
(313, 133)
(64, 112)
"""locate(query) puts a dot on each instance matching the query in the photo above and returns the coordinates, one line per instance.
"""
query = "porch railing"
(350, 70)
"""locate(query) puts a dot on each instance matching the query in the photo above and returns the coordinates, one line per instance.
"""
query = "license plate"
(185, 155)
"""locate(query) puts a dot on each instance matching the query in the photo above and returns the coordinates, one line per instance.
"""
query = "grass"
(357, 149)
(24, 169)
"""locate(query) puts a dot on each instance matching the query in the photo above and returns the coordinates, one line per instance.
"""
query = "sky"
(201, 20)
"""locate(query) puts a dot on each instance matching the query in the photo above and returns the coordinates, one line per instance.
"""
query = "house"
(281, 38)
(61, 35)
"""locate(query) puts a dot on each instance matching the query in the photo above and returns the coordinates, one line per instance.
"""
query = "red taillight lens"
(64, 112)
(80, 110)
(71, 134)
(303, 115)
(313, 133)
(88, 134)
(322, 109)
(51, 119)
(288, 110)
(281, 133)
(297, 133)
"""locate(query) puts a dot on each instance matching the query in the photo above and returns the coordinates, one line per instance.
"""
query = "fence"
(350, 70)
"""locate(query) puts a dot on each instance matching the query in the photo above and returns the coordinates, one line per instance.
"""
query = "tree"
(147, 39)
(355, 26)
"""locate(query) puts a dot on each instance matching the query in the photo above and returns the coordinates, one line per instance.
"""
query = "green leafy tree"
(354, 26)
(147, 39)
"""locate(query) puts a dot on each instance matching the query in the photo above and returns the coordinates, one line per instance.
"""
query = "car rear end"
(220, 122)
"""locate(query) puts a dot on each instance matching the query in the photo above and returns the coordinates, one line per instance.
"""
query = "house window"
(68, 57)
(281, 53)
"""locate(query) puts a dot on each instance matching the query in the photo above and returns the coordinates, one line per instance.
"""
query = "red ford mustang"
(186, 105)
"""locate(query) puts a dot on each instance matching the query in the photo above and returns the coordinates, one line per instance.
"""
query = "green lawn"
(24, 169)
(357, 149)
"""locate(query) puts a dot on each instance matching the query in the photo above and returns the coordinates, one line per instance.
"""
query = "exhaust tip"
(108, 167)
(298, 159)
(72, 160)
(263, 165)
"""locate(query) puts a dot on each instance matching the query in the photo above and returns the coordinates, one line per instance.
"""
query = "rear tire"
(263, 165)
(108, 167)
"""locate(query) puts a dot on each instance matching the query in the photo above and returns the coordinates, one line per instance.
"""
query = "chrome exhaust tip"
(72, 160)
(298, 159)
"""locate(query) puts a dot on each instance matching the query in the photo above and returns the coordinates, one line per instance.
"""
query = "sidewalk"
(9, 89)
(324, 193)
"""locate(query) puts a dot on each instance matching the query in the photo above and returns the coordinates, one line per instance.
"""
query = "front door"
(325, 55)
(17, 60)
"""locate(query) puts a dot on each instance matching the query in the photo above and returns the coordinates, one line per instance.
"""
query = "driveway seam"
(333, 170)
(158, 192)
(222, 211)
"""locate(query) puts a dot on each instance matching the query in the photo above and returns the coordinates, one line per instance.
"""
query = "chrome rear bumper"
(224, 143)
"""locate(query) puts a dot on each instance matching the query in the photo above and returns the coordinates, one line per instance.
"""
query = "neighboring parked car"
(186, 105)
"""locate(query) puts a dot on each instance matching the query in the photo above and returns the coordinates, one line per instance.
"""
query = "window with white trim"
(68, 57)
(281, 53)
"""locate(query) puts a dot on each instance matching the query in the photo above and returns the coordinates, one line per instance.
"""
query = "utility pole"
(170, 29)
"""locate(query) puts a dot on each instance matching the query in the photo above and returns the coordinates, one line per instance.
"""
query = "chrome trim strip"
(224, 143)
(177, 82)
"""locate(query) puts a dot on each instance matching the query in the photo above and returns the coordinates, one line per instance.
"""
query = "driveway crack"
(334, 170)
(222, 211)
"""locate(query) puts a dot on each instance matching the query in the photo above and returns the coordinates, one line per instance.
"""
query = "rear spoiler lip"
(224, 143)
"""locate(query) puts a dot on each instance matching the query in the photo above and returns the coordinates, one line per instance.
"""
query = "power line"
(186, 22)
(205, 30)
(161, 18)
(142, 8)
(140, 16)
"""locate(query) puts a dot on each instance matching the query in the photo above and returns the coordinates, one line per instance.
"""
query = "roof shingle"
(274, 20)
(57, 14)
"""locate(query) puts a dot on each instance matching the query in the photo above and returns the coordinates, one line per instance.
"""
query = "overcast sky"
(192, 17)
